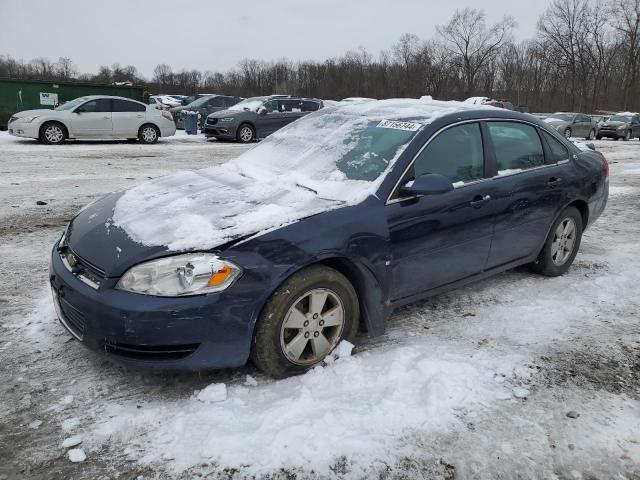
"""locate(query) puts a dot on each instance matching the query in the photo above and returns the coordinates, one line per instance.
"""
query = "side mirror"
(262, 111)
(78, 111)
(428, 184)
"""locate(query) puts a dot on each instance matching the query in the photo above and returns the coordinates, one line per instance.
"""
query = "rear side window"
(558, 152)
(289, 105)
(517, 146)
(216, 102)
(126, 106)
(456, 153)
(97, 105)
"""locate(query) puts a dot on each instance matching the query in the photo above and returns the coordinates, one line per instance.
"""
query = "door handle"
(106, 118)
(140, 116)
(554, 182)
(479, 200)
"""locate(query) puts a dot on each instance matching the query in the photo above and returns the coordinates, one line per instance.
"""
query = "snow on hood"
(324, 161)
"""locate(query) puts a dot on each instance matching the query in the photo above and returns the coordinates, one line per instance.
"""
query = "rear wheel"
(303, 321)
(592, 134)
(627, 136)
(52, 133)
(562, 244)
(148, 134)
(567, 133)
(245, 134)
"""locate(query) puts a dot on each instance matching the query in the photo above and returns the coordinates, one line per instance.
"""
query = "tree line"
(585, 56)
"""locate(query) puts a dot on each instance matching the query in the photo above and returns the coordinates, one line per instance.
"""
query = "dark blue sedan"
(321, 231)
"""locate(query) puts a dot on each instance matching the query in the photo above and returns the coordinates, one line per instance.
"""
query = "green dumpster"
(17, 95)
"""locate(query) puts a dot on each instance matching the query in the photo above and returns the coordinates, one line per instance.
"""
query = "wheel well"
(365, 294)
(151, 124)
(583, 208)
(64, 127)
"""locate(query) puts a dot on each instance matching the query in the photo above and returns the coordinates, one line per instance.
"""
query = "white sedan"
(94, 117)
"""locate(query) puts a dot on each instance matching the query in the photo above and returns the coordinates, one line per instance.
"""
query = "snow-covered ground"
(518, 376)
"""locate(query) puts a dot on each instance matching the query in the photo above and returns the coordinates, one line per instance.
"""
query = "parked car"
(572, 124)
(623, 126)
(191, 98)
(163, 102)
(204, 106)
(258, 117)
(323, 228)
(94, 117)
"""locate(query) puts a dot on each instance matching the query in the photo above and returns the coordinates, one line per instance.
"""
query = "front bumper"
(187, 333)
(25, 130)
(220, 130)
(611, 133)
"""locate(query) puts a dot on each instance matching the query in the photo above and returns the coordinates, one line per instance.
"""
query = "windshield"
(72, 104)
(251, 104)
(620, 118)
(336, 154)
(566, 117)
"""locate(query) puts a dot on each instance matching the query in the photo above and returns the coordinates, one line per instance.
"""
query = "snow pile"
(76, 455)
(359, 406)
(320, 162)
(216, 392)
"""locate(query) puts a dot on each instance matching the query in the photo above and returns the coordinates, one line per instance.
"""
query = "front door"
(440, 239)
(92, 119)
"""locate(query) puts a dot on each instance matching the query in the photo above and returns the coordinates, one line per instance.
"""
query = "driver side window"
(97, 105)
(456, 153)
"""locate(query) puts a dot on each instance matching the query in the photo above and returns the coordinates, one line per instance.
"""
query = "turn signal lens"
(220, 276)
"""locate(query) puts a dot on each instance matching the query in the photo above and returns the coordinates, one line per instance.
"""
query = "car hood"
(30, 113)
(187, 211)
(614, 124)
(229, 113)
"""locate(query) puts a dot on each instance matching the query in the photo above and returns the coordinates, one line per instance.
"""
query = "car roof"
(93, 97)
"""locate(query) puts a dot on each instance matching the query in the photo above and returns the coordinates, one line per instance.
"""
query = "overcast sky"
(212, 35)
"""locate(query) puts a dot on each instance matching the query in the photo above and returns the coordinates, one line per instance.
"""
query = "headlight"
(622, 127)
(227, 119)
(28, 119)
(188, 274)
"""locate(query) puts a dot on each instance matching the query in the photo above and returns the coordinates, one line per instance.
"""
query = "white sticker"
(48, 98)
(396, 125)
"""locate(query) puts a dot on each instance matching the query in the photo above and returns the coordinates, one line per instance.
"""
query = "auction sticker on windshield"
(409, 126)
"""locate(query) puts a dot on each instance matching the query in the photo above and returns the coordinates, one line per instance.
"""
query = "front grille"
(212, 121)
(75, 319)
(150, 352)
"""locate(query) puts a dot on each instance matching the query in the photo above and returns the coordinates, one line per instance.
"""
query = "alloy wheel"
(312, 326)
(567, 133)
(54, 134)
(564, 241)
(149, 134)
(246, 134)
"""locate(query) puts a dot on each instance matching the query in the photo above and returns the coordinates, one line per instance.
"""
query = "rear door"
(127, 118)
(92, 119)
(272, 120)
(635, 126)
(439, 239)
(526, 188)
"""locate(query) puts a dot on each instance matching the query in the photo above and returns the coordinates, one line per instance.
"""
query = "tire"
(548, 262)
(53, 133)
(627, 136)
(245, 133)
(567, 133)
(291, 305)
(592, 135)
(148, 134)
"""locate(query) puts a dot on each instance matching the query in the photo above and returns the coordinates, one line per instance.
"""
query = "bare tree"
(626, 20)
(472, 43)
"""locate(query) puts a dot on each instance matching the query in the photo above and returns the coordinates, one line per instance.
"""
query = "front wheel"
(245, 134)
(592, 135)
(52, 133)
(304, 320)
(627, 136)
(148, 134)
(567, 133)
(562, 244)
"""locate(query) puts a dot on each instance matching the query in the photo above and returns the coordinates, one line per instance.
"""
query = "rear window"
(310, 106)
